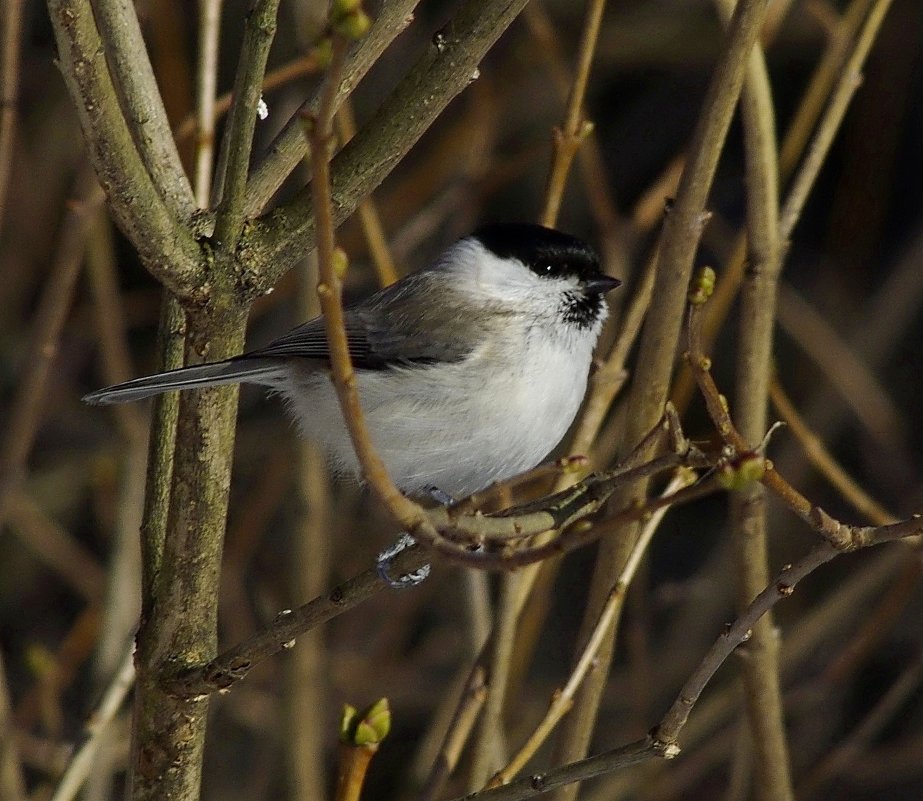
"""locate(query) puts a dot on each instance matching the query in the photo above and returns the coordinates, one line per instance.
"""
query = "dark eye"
(551, 269)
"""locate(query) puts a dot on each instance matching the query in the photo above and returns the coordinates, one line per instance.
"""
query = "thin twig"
(678, 244)
(565, 466)
(563, 698)
(10, 45)
(372, 226)
(142, 105)
(206, 107)
(82, 761)
(590, 154)
(167, 248)
(234, 158)
(568, 137)
(589, 768)
(329, 290)
(290, 147)
(232, 665)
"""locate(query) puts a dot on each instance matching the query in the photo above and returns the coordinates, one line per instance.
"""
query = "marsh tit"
(469, 371)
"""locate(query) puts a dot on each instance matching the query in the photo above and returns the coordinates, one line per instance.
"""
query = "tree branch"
(290, 147)
(678, 244)
(167, 248)
(444, 70)
(234, 159)
(760, 673)
(141, 103)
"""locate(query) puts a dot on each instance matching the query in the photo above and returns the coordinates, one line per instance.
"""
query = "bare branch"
(678, 244)
(444, 70)
(290, 147)
(206, 105)
(142, 106)
(570, 135)
(167, 248)
(234, 159)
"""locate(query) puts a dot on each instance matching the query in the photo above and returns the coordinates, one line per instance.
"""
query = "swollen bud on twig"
(353, 26)
(348, 19)
(368, 727)
(741, 473)
(340, 262)
(703, 284)
(360, 735)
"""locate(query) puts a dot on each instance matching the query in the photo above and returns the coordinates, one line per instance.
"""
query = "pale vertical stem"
(516, 587)
(375, 236)
(568, 138)
(102, 274)
(10, 43)
(234, 159)
(310, 568)
(206, 92)
(490, 745)
(122, 598)
(678, 244)
(760, 669)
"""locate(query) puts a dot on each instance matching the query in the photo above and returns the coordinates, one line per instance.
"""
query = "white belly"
(455, 427)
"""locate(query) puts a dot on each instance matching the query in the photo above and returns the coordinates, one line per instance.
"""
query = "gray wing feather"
(199, 376)
(391, 327)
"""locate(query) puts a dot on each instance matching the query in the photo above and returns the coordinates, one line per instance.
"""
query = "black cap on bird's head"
(547, 253)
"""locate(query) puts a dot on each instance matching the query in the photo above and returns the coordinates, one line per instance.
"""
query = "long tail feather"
(233, 371)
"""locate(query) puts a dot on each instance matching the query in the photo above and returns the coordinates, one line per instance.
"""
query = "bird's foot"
(440, 497)
(386, 557)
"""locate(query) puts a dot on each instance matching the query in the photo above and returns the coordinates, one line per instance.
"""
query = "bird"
(469, 371)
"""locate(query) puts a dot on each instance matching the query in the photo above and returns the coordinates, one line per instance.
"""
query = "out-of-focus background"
(848, 354)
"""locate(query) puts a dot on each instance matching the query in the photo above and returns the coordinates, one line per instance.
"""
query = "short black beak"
(602, 283)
